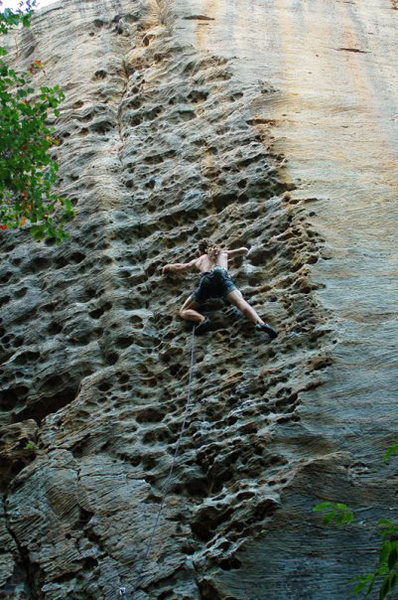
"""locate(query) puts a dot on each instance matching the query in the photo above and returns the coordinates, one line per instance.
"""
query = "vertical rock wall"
(184, 120)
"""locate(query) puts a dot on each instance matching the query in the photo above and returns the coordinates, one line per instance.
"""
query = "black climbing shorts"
(213, 284)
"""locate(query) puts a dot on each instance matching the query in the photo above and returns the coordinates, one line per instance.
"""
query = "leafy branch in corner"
(28, 173)
(386, 573)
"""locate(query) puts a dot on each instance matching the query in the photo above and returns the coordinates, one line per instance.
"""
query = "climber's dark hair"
(203, 245)
(210, 248)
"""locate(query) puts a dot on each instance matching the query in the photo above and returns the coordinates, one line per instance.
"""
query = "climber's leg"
(189, 311)
(238, 300)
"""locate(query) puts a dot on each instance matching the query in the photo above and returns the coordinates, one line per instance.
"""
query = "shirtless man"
(215, 282)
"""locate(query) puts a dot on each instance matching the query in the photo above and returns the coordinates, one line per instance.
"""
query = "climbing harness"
(165, 486)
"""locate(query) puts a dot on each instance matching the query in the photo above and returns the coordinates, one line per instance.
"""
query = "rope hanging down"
(165, 486)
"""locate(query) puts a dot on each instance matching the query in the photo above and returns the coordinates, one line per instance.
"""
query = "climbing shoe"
(266, 329)
(203, 326)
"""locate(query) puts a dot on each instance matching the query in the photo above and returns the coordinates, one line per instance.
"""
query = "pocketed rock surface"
(180, 122)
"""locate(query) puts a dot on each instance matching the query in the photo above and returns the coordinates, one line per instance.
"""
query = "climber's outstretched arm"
(180, 267)
(237, 252)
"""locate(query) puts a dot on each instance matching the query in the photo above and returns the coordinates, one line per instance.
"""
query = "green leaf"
(390, 531)
(363, 582)
(386, 522)
(323, 505)
(384, 552)
(393, 449)
(338, 512)
(329, 518)
(371, 585)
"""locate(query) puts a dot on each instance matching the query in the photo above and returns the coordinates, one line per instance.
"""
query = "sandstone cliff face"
(184, 120)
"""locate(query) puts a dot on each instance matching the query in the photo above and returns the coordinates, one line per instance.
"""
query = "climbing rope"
(165, 486)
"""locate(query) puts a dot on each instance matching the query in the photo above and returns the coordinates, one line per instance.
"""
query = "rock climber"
(215, 282)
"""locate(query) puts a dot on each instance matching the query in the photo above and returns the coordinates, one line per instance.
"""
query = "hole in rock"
(124, 342)
(188, 549)
(197, 487)
(5, 278)
(4, 300)
(20, 293)
(105, 386)
(9, 471)
(64, 578)
(101, 127)
(166, 595)
(91, 293)
(84, 518)
(77, 257)
(207, 520)
(98, 312)
(230, 563)
(48, 307)
(112, 358)
(11, 397)
(101, 74)
(61, 262)
(90, 563)
(26, 357)
(55, 393)
(156, 435)
(150, 415)
(199, 18)
(209, 592)
(54, 328)
(197, 96)
(78, 449)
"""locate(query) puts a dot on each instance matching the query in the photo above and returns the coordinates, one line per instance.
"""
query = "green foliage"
(337, 512)
(10, 18)
(27, 171)
(31, 446)
(386, 574)
(393, 449)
